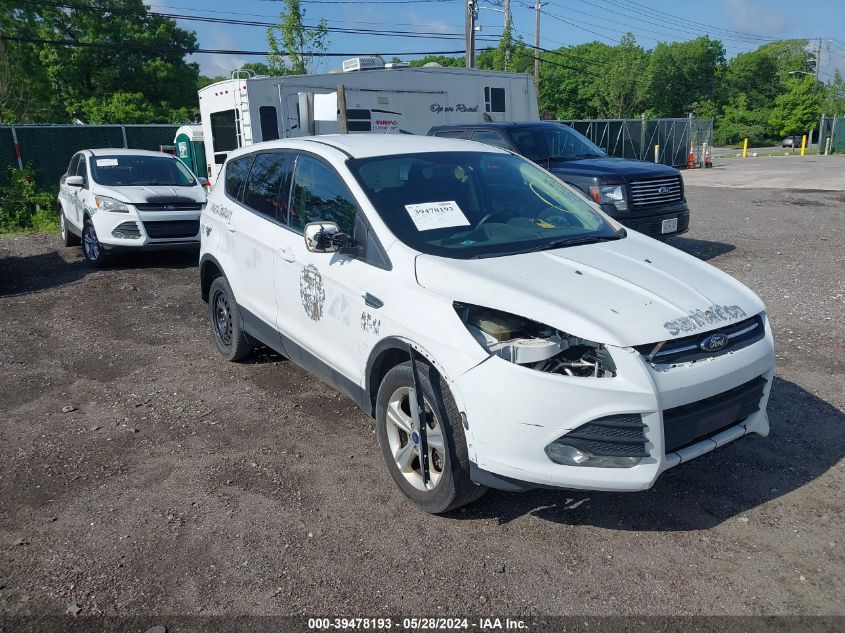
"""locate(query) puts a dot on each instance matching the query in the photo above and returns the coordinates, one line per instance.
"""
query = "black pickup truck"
(646, 197)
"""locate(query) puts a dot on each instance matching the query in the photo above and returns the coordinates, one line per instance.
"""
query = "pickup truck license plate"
(669, 226)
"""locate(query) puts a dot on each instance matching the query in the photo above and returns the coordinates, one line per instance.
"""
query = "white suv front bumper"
(145, 229)
(514, 412)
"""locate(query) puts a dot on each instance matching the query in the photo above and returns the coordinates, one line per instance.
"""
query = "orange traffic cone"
(691, 160)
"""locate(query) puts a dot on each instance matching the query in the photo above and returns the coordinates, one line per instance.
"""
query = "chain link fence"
(667, 141)
(49, 148)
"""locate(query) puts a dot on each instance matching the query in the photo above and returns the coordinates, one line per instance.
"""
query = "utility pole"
(471, 17)
(537, 6)
(507, 10)
(818, 53)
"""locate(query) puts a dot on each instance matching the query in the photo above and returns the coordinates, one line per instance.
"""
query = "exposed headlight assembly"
(610, 194)
(525, 342)
(110, 204)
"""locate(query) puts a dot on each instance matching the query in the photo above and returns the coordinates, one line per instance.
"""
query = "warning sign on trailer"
(436, 215)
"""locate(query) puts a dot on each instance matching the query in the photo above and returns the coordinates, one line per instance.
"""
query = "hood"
(626, 292)
(155, 193)
(609, 166)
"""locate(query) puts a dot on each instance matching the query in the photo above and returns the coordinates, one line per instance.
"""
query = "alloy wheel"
(91, 243)
(404, 442)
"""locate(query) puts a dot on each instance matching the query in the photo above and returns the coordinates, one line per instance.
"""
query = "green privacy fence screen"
(49, 148)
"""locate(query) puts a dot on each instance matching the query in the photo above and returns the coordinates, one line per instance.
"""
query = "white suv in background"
(503, 331)
(114, 199)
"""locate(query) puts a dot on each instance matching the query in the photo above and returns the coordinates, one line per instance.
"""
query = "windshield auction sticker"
(106, 162)
(436, 215)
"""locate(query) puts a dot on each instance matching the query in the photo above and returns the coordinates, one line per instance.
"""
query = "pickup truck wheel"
(91, 247)
(226, 321)
(449, 486)
(68, 238)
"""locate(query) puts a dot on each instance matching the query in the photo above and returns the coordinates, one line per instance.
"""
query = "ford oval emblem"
(663, 190)
(714, 342)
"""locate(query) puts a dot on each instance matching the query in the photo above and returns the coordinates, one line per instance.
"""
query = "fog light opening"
(566, 455)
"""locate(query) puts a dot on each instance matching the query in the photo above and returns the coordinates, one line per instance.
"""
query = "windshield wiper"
(573, 241)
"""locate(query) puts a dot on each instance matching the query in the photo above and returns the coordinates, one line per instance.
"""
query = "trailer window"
(269, 123)
(359, 120)
(494, 99)
(225, 129)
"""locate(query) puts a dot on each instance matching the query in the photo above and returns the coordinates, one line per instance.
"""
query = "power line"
(189, 50)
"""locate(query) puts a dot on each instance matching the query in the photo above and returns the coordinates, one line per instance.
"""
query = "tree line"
(135, 71)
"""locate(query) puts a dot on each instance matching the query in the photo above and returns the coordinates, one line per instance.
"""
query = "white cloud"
(213, 65)
(755, 17)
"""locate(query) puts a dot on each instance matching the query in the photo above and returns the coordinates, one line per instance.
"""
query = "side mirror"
(325, 237)
(75, 181)
(204, 182)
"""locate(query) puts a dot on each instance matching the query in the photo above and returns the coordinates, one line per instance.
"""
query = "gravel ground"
(143, 475)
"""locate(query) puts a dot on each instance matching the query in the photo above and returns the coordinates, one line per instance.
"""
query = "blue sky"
(740, 24)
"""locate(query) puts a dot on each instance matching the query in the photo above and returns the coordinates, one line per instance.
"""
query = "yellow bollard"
(745, 148)
(803, 144)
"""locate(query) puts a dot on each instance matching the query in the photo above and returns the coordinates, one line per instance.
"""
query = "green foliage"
(739, 121)
(293, 46)
(834, 96)
(683, 73)
(58, 84)
(119, 107)
(623, 93)
(798, 108)
(23, 207)
(449, 62)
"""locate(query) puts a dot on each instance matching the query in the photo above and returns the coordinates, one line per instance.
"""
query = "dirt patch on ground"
(182, 484)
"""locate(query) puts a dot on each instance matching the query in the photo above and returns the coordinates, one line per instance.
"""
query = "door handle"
(287, 254)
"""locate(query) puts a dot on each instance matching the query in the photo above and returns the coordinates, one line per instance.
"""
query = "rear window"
(140, 171)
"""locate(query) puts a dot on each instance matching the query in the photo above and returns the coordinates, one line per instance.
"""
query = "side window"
(451, 134)
(494, 99)
(269, 123)
(236, 172)
(267, 184)
(490, 137)
(320, 195)
(82, 170)
(74, 163)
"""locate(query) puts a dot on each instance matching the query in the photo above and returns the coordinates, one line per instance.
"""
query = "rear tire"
(225, 319)
(450, 486)
(68, 238)
(91, 247)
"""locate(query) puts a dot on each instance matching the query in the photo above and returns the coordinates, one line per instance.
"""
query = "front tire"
(450, 486)
(68, 238)
(225, 319)
(91, 247)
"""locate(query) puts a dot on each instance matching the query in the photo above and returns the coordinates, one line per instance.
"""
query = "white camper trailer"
(398, 100)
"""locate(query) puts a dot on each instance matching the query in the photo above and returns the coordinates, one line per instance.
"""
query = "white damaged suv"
(128, 199)
(501, 329)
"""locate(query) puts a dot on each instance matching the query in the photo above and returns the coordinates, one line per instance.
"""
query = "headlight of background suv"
(610, 194)
(110, 204)
(540, 347)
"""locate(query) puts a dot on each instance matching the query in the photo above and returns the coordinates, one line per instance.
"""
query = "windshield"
(117, 171)
(477, 204)
(548, 142)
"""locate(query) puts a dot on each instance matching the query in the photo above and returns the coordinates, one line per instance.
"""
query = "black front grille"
(614, 435)
(176, 229)
(653, 191)
(653, 225)
(175, 205)
(693, 422)
(688, 349)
